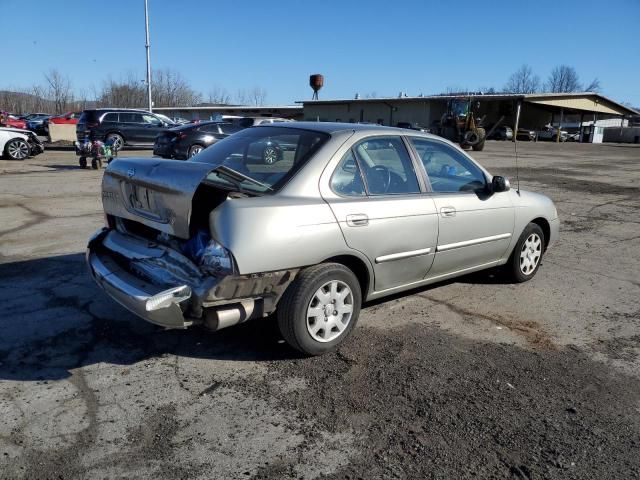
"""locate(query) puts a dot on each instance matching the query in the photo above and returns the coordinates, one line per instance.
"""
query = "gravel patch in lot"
(472, 378)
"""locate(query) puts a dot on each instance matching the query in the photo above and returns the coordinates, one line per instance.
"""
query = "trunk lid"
(156, 193)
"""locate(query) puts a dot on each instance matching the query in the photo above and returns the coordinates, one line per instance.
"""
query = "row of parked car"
(547, 133)
(38, 122)
(169, 138)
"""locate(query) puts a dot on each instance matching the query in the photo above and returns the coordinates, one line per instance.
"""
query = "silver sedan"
(345, 214)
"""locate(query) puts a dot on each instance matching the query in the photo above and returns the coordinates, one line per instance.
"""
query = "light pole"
(148, 47)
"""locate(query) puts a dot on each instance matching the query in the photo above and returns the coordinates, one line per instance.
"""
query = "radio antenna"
(515, 149)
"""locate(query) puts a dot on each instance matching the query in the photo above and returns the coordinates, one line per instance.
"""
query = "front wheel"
(527, 254)
(320, 308)
(17, 149)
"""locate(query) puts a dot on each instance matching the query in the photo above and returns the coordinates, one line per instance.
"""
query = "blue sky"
(360, 46)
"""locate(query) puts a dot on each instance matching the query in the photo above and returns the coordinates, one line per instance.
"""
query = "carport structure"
(582, 111)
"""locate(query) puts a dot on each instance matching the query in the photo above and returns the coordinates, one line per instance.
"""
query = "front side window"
(448, 169)
(268, 156)
(386, 166)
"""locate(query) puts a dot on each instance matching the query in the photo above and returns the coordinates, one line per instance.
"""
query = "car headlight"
(216, 260)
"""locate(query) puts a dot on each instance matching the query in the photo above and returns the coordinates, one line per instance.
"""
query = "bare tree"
(129, 92)
(59, 90)
(171, 89)
(256, 96)
(523, 80)
(562, 79)
(594, 86)
(219, 95)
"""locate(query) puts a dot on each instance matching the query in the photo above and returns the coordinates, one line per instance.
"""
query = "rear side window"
(211, 128)
(229, 129)
(347, 178)
(386, 166)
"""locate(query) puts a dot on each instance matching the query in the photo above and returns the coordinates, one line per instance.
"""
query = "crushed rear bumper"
(174, 293)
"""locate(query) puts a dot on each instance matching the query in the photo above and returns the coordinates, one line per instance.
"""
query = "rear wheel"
(117, 142)
(527, 254)
(270, 155)
(194, 150)
(320, 308)
(83, 162)
(17, 149)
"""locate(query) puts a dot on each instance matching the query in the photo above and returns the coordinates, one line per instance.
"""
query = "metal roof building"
(585, 111)
(211, 112)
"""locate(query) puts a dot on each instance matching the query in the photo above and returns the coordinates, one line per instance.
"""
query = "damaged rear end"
(156, 255)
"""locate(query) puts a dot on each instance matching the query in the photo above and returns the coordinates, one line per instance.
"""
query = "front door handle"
(357, 220)
(448, 212)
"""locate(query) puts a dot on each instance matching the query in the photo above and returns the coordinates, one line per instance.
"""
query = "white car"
(17, 144)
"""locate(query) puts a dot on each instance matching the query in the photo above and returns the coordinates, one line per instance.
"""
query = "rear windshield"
(268, 155)
(88, 116)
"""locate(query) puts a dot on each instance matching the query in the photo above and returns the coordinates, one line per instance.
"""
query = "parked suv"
(122, 126)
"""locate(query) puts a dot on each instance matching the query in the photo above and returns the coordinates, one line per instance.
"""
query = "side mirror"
(499, 184)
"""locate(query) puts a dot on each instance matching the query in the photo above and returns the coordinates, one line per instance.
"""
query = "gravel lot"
(471, 378)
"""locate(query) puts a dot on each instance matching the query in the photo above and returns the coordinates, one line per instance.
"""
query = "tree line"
(561, 79)
(56, 94)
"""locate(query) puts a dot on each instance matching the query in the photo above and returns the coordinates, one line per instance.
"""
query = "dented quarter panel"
(278, 232)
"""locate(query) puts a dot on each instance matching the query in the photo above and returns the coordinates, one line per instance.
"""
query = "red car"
(13, 121)
(70, 118)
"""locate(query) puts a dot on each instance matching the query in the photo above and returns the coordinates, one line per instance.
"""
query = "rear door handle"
(357, 220)
(448, 212)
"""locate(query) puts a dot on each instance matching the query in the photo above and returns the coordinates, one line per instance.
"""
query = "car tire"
(17, 149)
(194, 150)
(304, 315)
(526, 257)
(117, 141)
(82, 162)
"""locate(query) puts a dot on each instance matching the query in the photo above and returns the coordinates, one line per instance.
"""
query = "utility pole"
(148, 47)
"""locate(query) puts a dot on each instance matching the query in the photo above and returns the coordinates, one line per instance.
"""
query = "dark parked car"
(188, 140)
(527, 135)
(37, 123)
(503, 132)
(122, 126)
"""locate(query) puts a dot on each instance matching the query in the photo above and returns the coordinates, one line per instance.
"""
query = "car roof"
(141, 110)
(336, 127)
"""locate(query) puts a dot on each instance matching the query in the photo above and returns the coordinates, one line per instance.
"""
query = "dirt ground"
(473, 378)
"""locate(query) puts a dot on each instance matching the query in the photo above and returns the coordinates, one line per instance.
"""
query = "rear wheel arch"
(359, 268)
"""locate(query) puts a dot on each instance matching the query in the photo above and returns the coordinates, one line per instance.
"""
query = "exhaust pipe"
(233, 314)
